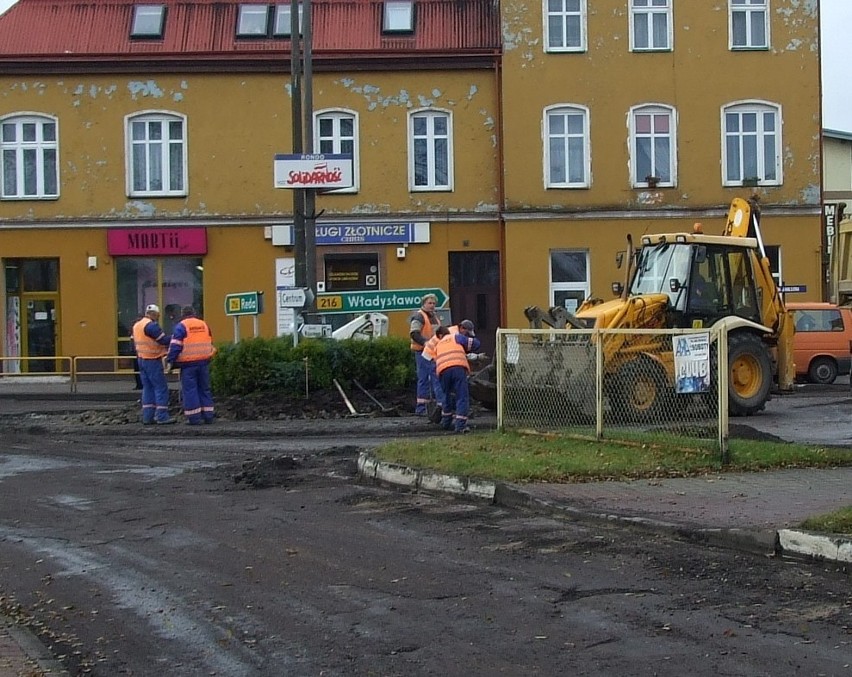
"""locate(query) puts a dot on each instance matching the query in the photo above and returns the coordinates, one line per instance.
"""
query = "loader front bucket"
(483, 386)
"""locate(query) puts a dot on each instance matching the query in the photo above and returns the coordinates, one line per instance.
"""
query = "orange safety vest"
(198, 344)
(146, 347)
(448, 353)
(427, 332)
(429, 348)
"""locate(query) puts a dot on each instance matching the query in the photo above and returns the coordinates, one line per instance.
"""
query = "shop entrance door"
(32, 315)
(39, 331)
(475, 293)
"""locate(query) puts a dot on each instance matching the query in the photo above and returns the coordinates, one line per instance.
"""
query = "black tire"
(749, 374)
(641, 392)
(822, 370)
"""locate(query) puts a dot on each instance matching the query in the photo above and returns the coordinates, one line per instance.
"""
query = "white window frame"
(643, 16)
(759, 109)
(747, 10)
(654, 110)
(565, 14)
(337, 139)
(34, 154)
(162, 155)
(564, 111)
(431, 138)
(573, 286)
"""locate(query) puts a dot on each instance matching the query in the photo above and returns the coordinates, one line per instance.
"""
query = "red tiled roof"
(195, 29)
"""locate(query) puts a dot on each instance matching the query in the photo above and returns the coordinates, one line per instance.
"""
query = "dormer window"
(253, 21)
(148, 21)
(263, 21)
(283, 15)
(398, 16)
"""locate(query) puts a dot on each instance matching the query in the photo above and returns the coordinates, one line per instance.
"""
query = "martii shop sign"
(156, 241)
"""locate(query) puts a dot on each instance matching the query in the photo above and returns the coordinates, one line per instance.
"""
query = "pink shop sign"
(156, 241)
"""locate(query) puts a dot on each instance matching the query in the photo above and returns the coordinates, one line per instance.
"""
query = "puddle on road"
(10, 466)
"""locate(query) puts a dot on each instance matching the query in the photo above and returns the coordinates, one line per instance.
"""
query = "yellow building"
(643, 116)
(141, 169)
(499, 153)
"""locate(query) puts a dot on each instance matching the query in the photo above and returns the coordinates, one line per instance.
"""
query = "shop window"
(170, 282)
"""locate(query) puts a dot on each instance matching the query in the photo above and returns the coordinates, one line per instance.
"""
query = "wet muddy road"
(240, 553)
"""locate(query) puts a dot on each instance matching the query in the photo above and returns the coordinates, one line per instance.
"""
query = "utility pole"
(310, 197)
(304, 199)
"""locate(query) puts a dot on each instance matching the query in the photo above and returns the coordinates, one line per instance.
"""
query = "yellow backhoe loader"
(683, 280)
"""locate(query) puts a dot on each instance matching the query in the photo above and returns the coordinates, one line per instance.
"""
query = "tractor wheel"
(822, 370)
(641, 392)
(749, 374)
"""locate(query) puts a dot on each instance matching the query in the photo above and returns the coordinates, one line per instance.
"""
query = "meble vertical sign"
(323, 171)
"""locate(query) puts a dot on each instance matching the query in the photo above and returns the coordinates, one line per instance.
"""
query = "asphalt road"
(811, 414)
(258, 555)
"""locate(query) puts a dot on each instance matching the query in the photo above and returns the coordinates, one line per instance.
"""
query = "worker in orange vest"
(422, 325)
(451, 364)
(151, 345)
(429, 355)
(191, 349)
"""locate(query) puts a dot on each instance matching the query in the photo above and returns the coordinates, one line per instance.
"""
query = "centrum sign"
(384, 300)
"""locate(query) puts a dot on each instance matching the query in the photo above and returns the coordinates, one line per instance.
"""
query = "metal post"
(723, 372)
(310, 193)
(298, 146)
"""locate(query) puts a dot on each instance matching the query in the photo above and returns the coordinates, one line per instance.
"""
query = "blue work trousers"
(155, 391)
(425, 380)
(195, 388)
(437, 388)
(455, 414)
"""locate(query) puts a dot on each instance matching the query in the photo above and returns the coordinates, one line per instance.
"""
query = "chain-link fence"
(600, 382)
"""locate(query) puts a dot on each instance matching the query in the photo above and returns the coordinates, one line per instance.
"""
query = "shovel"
(352, 410)
(386, 411)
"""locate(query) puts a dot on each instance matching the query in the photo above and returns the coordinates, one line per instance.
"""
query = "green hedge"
(275, 365)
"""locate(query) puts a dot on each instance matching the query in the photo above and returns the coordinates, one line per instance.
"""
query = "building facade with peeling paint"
(501, 152)
(647, 117)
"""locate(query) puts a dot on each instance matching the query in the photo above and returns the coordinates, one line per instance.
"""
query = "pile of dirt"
(320, 404)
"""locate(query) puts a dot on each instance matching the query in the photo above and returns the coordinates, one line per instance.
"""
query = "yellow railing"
(72, 368)
(62, 366)
(100, 365)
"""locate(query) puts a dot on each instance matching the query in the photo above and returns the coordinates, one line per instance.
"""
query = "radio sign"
(325, 171)
(244, 303)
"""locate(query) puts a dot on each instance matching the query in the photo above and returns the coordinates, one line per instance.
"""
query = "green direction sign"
(380, 301)
(244, 303)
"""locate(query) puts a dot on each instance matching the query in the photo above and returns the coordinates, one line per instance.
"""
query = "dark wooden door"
(475, 293)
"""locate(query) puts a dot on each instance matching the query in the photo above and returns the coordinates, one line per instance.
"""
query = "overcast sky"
(836, 20)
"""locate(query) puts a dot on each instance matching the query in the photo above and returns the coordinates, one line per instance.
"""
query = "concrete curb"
(781, 542)
(33, 649)
(373, 470)
(817, 546)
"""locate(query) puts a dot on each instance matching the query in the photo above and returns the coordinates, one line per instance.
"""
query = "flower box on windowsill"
(750, 182)
(652, 181)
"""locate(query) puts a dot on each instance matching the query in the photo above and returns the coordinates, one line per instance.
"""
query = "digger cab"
(705, 277)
